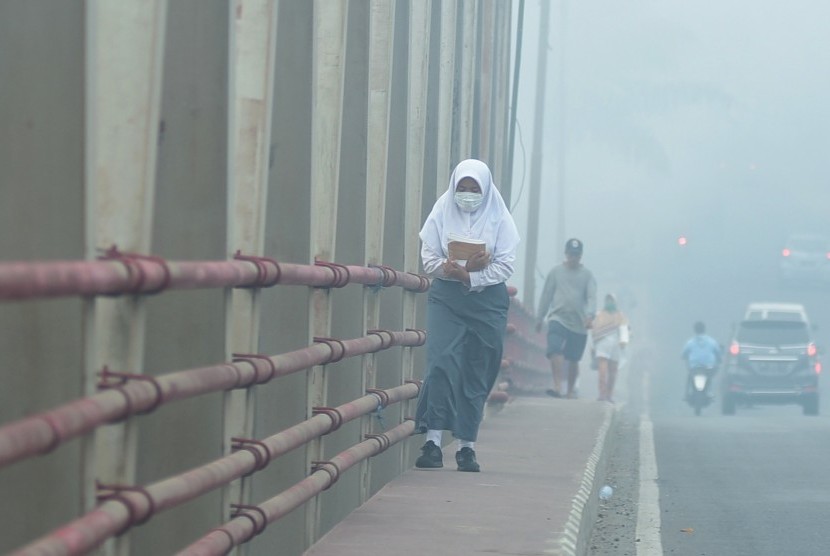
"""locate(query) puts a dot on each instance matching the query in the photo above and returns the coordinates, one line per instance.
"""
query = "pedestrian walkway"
(542, 462)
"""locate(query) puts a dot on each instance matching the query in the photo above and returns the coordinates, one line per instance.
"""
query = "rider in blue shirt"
(701, 351)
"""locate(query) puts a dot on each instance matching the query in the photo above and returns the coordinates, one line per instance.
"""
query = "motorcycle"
(699, 379)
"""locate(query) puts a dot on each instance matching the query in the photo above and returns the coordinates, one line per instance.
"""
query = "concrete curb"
(584, 508)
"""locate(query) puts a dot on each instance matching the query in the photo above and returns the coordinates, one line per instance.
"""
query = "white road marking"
(648, 514)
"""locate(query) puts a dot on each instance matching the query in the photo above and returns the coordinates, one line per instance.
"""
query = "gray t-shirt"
(569, 297)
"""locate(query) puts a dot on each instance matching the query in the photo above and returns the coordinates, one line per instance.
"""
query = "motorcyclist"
(701, 351)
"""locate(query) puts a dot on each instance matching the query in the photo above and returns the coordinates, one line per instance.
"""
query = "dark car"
(771, 362)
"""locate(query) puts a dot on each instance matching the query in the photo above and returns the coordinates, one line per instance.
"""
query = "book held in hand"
(462, 248)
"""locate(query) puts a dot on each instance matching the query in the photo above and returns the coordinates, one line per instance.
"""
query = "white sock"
(435, 436)
(466, 444)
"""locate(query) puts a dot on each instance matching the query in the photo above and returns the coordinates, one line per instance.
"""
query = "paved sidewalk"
(542, 462)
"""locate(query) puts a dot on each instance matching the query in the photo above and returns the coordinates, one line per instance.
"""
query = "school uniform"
(465, 325)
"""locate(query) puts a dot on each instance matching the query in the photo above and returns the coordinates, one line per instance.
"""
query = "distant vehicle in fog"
(804, 260)
(772, 359)
(776, 311)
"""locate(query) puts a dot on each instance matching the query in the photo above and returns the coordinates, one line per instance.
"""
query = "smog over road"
(187, 188)
(703, 120)
(686, 143)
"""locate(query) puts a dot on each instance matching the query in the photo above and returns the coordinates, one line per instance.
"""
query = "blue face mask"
(468, 201)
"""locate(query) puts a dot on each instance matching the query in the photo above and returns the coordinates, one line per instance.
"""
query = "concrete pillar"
(419, 27)
(446, 82)
(381, 28)
(467, 79)
(327, 113)
(252, 49)
(501, 102)
(485, 74)
(125, 45)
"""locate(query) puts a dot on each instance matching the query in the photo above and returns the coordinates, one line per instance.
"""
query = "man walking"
(568, 304)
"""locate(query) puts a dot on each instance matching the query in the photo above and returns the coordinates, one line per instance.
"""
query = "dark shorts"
(562, 341)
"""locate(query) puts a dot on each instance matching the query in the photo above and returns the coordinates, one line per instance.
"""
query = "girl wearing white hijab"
(466, 311)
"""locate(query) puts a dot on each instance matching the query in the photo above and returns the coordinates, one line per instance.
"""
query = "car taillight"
(811, 350)
(785, 252)
(735, 348)
(818, 367)
(828, 255)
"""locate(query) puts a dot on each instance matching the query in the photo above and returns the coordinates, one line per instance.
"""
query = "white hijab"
(490, 222)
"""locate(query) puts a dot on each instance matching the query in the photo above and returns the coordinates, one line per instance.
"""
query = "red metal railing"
(527, 368)
(123, 395)
(123, 508)
(129, 273)
(252, 520)
(41, 433)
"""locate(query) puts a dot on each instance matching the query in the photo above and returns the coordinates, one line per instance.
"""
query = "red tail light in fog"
(818, 367)
(735, 348)
(811, 350)
(785, 252)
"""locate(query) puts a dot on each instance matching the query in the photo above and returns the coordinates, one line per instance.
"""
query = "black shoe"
(431, 456)
(553, 393)
(466, 460)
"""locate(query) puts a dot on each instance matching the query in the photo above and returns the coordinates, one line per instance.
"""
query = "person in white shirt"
(466, 311)
(610, 335)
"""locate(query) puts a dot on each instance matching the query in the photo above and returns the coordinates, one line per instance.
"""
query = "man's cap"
(573, 245)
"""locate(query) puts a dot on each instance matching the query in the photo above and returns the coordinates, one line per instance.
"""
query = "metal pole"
(507, 188)
(446, 80)
(529, 294)
(561, 148)
(500, 82)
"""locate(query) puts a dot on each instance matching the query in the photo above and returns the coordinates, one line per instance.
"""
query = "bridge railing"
(526, 368)
(118, 273)
(128, 395)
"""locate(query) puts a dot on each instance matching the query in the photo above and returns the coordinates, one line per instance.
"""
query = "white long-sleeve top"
(498, 271)
(490, 223)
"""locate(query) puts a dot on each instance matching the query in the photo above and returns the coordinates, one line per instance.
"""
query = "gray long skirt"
(465, 340)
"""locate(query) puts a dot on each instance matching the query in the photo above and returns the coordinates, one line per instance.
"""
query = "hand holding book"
(462, 249)
(461, 272)
(470, 254)
(478, 261)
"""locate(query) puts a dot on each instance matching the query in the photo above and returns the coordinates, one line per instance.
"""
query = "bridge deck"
(542, 463)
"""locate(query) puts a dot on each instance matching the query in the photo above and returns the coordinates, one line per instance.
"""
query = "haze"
(703, 119)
